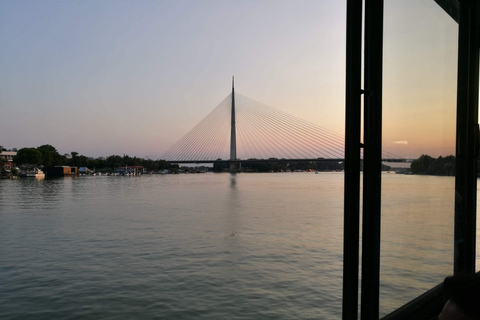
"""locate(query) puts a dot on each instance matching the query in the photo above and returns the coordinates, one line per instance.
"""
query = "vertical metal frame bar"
(467, 137)
(372, 159)
(351, 228)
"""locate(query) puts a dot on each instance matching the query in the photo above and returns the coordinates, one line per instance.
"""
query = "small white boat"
(36, 173)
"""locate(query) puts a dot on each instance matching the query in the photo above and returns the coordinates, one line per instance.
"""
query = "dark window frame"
(467, 14)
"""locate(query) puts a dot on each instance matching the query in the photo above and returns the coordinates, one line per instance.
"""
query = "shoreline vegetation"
(48, 156)
(427, 165)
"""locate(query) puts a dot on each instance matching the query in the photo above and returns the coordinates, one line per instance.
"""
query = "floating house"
(61, 171)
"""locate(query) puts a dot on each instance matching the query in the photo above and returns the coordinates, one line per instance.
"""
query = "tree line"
(47, 156)
(274, 166)
(425, 164)
(441, 166)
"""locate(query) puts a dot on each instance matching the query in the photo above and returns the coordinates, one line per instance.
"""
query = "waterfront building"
(61, 171)
(7, 157)
(135, 170)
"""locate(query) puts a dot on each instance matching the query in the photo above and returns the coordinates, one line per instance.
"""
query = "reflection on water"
(213, 246)
(233, 223)
(43, 194)
(417, 236)
(233, 180)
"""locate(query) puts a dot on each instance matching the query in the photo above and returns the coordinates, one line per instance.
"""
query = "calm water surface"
(208, 246)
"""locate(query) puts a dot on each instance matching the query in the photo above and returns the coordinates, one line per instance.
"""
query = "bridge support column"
(233, 136)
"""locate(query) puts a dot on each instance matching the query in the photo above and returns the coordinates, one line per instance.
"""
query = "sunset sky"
(132, 77)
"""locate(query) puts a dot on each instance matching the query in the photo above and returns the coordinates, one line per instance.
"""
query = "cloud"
(400, 142)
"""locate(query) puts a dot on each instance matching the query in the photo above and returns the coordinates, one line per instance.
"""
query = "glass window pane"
(420, 60)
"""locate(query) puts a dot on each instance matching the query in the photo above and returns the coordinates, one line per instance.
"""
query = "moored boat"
(36, 173)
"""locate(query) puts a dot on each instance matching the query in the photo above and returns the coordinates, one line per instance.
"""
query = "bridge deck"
(274, 160)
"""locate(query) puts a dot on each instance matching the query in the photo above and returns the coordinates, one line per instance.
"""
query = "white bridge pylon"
(240, 128)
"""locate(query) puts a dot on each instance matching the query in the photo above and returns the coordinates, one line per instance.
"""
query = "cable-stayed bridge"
(241, 129)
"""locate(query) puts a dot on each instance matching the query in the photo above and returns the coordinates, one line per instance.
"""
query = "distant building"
(7, 157)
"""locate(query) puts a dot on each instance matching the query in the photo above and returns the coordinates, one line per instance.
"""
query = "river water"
(208, 246)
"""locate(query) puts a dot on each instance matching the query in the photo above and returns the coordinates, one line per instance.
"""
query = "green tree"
(162, 164)
(442, 166)
(50, 156)
(421, 165)
(14, 171)
(74, 161)
(2, 167)
(81, 161)
(28, 156)
(150, 165)
(114, 161)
